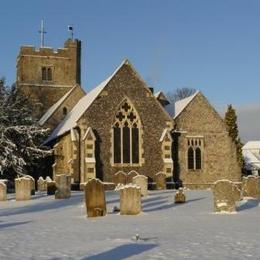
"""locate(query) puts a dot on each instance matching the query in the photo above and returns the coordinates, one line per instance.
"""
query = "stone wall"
(219, 160)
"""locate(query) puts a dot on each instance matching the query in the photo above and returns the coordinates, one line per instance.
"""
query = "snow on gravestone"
(32, 184)
(130, 200)
(23, 188)
(3, 191)
(180, 196)
(63, 183)
(120, 178)
(131, 175)
(142, 182)
(251, 186)
(42, 185)
(226, 194)
(160, 180)
(95, 198)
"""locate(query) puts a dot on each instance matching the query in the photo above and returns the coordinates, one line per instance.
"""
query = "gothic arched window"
(190, 158)
(198, 158)
(126, 135)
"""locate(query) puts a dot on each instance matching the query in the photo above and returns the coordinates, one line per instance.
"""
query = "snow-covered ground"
(45, 228)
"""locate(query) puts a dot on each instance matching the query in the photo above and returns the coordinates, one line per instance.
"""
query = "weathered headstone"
(160, 180)
(32, 184)
(42, 184)
(120, 178)
(48, 178)
(95, 198)
(51, 187)
(130, 200)
(251, 186)
(142, 182)
(226, 194)
(131, 175)
(63, 183)
(23, 188)
(180, 196)
(3, 191)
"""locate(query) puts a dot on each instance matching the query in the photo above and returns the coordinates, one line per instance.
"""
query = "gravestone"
(48, 178)
(95, 198)
(180, 196)
(130, 200)
(160, 180)
(23, 188)
(51, 187)
(251, 186)
(226, 194)
(42, 184)
(142, 182)
(131, 175)
(32, 184)
(63, 183)
(120, 178)
(3, 191)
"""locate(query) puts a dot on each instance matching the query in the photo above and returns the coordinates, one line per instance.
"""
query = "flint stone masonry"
(51, 188)
(23, 188)
(160, 180)
(142, 182)
(131, 175)
(180, 196)
(63, 183)
(251, 186)
(95, 198)
(226, 194)
(3, 191)
(42, 184)
(120, 178)
(130, 200)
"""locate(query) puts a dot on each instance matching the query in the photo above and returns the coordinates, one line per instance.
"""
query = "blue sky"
(209, 45)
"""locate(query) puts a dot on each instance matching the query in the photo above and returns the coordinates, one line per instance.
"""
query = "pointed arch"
(198, 158)
(126, 134)
(190, 158)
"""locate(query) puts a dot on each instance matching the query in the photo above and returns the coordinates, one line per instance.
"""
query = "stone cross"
(23, 188)
(160, 180)
(63, 183)
(95, 198)
(142, 182)
(130, 200)
(225, 194)
(3, 191)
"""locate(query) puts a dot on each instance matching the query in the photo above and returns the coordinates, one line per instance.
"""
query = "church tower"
(45, 75)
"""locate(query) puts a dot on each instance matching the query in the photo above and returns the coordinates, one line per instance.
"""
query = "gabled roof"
(252, 160)
(70, 121)
(183, 103)
(252, 145)
(54, 107)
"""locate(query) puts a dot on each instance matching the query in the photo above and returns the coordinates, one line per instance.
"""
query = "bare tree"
(180, 93)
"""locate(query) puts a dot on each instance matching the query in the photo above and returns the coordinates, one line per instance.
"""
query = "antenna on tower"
(70, 29)
(42, 32)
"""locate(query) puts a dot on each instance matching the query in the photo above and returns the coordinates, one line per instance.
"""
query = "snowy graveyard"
(45, 228)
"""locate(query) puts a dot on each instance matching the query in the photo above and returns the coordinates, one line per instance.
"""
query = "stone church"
(121, 125)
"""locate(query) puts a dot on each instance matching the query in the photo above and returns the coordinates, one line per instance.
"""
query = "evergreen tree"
(20, 136)
(231, 123)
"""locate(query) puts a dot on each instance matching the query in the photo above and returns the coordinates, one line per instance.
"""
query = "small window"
(89, 146)
(198, 158)
(90, 170)
(190, 158)
(65, 111)
(89, 155)
(47, 73)
(44, 73)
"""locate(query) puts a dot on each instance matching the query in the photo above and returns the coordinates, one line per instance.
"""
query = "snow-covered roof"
(54, 107)
(252, 145)
(70, 121)
(252, 160)
(170, 109)
(181, 104)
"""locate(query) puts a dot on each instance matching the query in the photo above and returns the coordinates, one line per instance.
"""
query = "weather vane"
(70, 29)
(42, 32)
